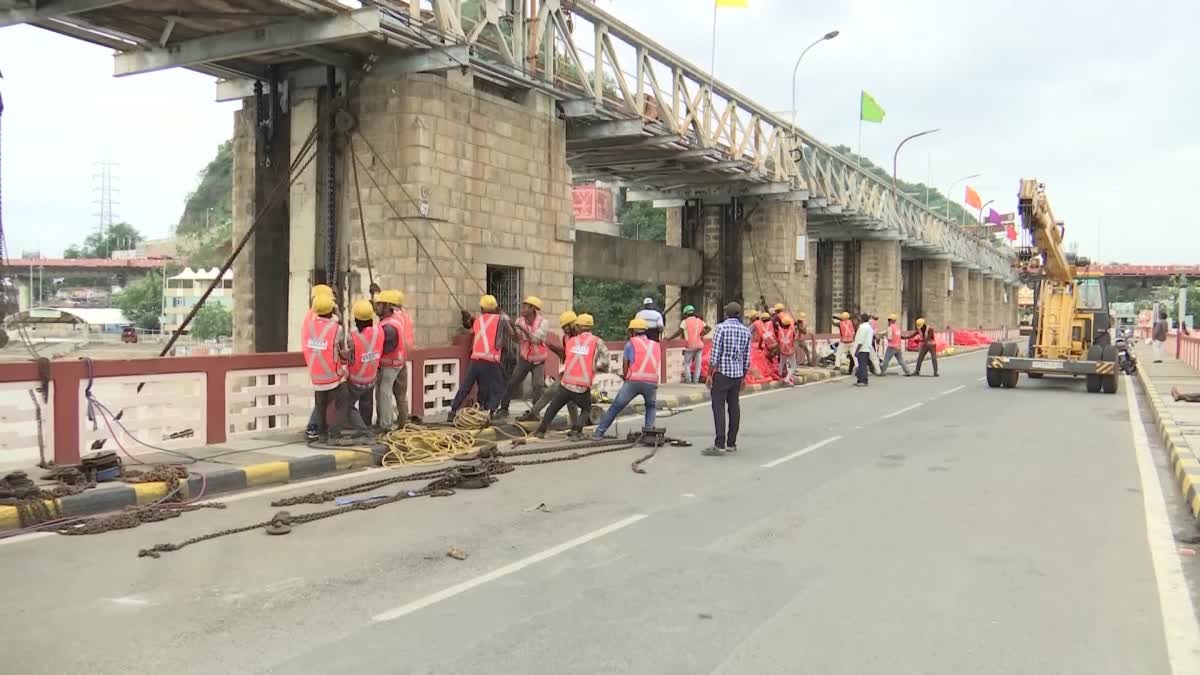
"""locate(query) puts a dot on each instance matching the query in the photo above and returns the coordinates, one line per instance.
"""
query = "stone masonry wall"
(710, 227)
(879, 279)
(493, 173)
(975, 301)
(960, 296)
(769, 265)
(674, 237)
(935, 280)
(243, 206)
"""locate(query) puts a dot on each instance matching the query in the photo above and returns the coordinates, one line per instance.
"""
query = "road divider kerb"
(1184, 464)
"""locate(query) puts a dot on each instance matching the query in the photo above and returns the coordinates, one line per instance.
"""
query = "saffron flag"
(733, 3)
(994, 217)
(869, 110)
(973, 199)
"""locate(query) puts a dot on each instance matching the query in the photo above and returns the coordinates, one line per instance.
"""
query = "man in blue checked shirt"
(728, 362)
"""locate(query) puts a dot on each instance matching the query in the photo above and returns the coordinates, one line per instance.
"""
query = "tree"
(142, 301)
(117, 237)
(613, 303)
(937, 201)
(212, 321)
(205, 229)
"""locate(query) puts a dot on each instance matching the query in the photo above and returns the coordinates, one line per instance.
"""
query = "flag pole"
(858, 156)
(712, 69)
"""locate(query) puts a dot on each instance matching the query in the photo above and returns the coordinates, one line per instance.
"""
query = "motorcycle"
(1126, 359)
(830, 358)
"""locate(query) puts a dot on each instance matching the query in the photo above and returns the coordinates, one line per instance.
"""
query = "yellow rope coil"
(415, 445)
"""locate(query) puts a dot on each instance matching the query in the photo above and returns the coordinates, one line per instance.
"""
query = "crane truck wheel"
(994, 376)
(1010, 349)
(1109, 382)
(1095, 353)
(1092, 383)
(996, 349)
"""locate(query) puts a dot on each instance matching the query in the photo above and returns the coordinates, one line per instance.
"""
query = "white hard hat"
(648, 301)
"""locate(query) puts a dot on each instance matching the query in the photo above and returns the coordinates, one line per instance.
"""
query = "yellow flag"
(733, 3)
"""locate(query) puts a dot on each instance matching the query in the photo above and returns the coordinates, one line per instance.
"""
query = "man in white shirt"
(864, 344)
(653, 318)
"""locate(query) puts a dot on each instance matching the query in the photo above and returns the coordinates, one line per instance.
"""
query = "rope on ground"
(415, 445)
(471, 419)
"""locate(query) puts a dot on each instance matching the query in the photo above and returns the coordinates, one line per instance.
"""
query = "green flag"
(869, 110)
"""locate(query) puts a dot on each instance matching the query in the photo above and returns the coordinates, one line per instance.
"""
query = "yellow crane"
(1071, 322)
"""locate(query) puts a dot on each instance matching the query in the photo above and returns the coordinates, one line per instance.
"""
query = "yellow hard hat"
(845, 315)
(320, 289)
(534, 300)
(585, 321)
(322, 304)
(801, 316)
(752, 314)
(395, 297)
(638, 324)
(920, 322)
(779, 307)
(786, 319)
(893, 317)
(566, 318)
(488, 302)
(362, 310)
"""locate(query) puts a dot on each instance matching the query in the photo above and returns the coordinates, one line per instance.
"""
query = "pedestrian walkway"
(1178, 422)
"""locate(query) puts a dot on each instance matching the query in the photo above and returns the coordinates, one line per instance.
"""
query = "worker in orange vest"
(365, 348)
(761, 333)
(845, 331)
(785, 335)
(554, 343)
(531, 329)
(928, 338)
(895, 347)
(585, 354)
(391, 392)
(641, 370)
(489, 330)
(692, 329)
(325, 357)
(312, 432)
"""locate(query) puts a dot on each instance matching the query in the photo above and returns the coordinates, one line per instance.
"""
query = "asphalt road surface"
(915, 526)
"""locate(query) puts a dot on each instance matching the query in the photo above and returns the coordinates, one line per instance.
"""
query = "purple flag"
(993, 217)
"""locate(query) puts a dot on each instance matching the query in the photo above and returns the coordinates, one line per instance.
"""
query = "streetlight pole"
(896, 155)
(828, 36)
(985, 205)
(951, 189)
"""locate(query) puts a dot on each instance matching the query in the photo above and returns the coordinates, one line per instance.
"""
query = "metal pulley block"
(472, 477)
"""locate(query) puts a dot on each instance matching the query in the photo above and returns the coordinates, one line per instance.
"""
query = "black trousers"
(561, 398)
(864, 366)
(490, 379)
(339, 396)
(364, 401)
(523, 370)
(926, 348)
(726, 395)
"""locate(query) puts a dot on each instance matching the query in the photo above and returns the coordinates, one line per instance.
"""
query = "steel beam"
(615, 129)
(287, 35)
(53, 9)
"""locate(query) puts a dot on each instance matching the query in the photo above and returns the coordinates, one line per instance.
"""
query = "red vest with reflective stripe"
(846, 330)
(691, 332)
(320, 351)
(763, 334)
(368, 345)
(484, 347)
(787, 340)
(580, 369)
(533, 353)
(397, 357)
(645, 360)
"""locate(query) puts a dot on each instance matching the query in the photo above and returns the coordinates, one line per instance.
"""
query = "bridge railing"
(589, 56)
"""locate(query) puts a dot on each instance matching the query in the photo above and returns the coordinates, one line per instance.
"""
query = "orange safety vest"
(320, 351)
(787, 340)
(691, 332)
(398, 356)
(645, 366)
(846, 330)
(580, 370)
(530, 352)
(764, 334)
(893, 339)
(484, 348)
(368, 346)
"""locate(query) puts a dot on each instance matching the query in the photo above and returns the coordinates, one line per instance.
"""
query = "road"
(916, 526)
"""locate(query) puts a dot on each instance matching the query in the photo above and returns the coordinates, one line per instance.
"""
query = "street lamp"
(951, 190)
(828, 36)
(985, 205)
(896, 154)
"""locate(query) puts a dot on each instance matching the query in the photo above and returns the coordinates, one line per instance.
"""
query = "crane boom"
(1038, 219)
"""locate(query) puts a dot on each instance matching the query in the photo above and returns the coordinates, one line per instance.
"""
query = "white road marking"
(130, 600)
(800, 453)
(1180, 630)
(951, 391)
(688, 494)
(21, 538)
(902, 411)
(980, 379)
(300, 485)
(508, 569)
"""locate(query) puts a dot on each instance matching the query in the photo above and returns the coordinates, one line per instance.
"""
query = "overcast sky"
(1096, 98)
